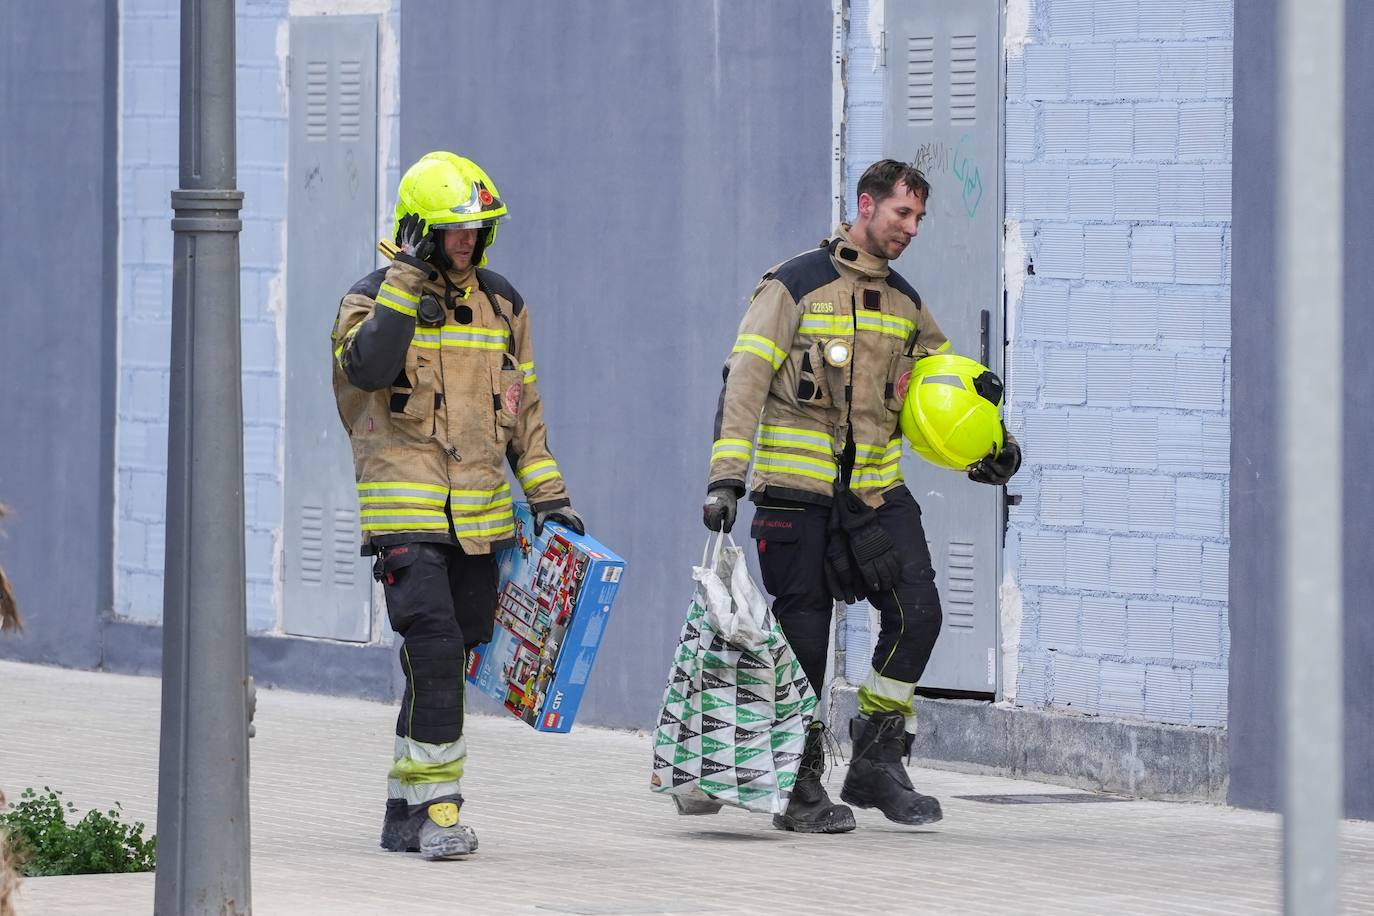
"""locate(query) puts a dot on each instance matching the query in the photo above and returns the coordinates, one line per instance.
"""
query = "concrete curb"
(1143, 759)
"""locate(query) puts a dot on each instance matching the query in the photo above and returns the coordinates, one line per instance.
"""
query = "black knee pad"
(432, 711)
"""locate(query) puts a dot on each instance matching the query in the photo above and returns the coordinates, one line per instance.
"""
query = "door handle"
(984, 329)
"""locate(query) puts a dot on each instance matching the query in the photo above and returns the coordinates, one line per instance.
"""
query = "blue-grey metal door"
(943, 112)
(331, 243)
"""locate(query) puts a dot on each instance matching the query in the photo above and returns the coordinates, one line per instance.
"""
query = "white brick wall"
(149, 49)
(1118, 172)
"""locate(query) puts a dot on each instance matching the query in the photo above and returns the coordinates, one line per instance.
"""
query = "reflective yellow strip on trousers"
(536, 472)
(761, 347)
(732, 448)
(802, 466)
(793, 437)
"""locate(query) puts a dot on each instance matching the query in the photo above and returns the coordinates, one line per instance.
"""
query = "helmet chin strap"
(439, 258)
(480, 247)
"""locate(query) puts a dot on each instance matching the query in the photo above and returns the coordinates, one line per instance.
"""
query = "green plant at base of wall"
(45, 843)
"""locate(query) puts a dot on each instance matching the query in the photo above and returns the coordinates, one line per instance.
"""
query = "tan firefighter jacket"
(434, 413)
(786, 409)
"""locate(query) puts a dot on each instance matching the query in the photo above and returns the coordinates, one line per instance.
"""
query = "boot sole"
(858, 801)
(791, 826)
(451, 849)
(394, 845)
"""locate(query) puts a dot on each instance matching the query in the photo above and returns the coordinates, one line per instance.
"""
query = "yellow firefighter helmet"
(950, 411)
(448, 191)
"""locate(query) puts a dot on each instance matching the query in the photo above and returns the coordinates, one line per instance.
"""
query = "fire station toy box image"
(554, 598)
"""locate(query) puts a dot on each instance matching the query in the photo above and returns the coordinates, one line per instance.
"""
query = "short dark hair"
(880, 180)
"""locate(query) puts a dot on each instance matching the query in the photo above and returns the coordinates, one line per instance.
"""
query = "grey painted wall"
(1255, 625)
(57, 159)
(652, 177)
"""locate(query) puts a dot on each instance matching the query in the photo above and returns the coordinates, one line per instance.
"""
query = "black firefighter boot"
(877, 777)
(809, 809)
(401, 828)
(431, 828)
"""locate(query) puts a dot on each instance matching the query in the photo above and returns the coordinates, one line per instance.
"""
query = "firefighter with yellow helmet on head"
(812, 393)
(435, 382)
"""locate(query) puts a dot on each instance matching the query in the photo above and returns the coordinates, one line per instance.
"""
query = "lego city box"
(554, 598)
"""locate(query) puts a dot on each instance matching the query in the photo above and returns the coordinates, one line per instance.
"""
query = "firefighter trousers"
(442, 603)
(791, 539)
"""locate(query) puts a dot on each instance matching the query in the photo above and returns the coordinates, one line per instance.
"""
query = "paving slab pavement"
(568, 826)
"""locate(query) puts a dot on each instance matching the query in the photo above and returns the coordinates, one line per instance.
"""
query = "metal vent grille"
(312, 544)
(350, 99)
(345, 547)
(920, 79)
(317, 101)
(959, 601)
(963, 79)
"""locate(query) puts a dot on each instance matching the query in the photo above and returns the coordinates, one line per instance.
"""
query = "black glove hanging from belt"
(860, 556)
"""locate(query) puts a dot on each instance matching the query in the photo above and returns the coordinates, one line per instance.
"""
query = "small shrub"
(99, 843)
(9, 873)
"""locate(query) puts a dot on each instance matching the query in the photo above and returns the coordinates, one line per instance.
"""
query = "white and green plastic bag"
(737, 704)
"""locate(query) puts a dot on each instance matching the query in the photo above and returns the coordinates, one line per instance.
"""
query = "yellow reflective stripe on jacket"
(491, 524)
(475, 338)
(399, 491)
(339, 350)
(426, 338)
(826, 325)
(404, 519)
(528, 369)
(877, 466)
(832, 325)
(877, 454)
(478, 500)
(792, 437)
(801, 465)
(879, 476)
(761, 347)
(534, 473)
(398, 299)
(732, 448)
(892, 325)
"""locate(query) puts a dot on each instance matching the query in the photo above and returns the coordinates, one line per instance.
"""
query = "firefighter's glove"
(565, 516)
(718, 512)
(996, 467)
(874, 554)
(417, 245)
(839, 569)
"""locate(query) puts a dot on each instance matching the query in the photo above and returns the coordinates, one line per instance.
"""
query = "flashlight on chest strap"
(838, 352)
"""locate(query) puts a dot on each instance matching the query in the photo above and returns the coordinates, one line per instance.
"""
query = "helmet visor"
(479, 223)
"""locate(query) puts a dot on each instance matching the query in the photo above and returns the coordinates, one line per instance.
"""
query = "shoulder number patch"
(822, 308)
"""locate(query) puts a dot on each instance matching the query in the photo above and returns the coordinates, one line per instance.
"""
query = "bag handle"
(720, 539)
